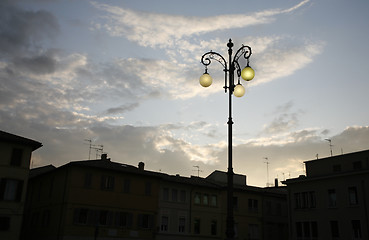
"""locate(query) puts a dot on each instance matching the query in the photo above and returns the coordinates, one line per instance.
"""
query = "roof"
(11, 138)
(121, 167)
(125, 168)
(303, 178)
(346, 155)
(40, 170)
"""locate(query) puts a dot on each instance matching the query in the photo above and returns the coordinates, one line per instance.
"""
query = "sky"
(125, 75)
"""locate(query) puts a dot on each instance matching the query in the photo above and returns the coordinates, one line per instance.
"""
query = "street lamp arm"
(206, 60)
(246, 52)
(207, 57)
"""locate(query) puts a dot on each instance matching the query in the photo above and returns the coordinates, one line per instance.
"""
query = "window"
(103, 218)
(213, 200)
(182, 196)
(107, 182)
(126, 186)
(299, 229)
(181, 224)
(196, 226)
(123, 219)
(213, 227)
(253, 205)
(174, 195)
(11, 189)
(314, 230)
(80, 215)
(88, 180)
(148, 188)
(34, 219)
(16, 159)
(306, 230)
(356, 229)
(46, 218)
(205, 199)
(197, 198)
(306, 226)
(4, 224)
(253, 231)
(305, 200)
(312, 200)
(164, 223)
(352, 196)
(165, 194)
(332, 198)
(334, 229)
(145, 221)
(298, 200)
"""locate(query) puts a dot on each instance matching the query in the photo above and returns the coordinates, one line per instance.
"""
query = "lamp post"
(238, 90)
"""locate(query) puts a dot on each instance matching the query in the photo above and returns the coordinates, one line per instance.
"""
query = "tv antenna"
(267, 163)
(97, 148)
(198, 170)
(330, 145)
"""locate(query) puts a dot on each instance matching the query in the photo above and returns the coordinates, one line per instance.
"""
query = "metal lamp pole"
(238, 90)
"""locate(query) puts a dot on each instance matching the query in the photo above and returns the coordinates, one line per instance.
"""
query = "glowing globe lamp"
(239, 90)
(206, 80)
(247, 73)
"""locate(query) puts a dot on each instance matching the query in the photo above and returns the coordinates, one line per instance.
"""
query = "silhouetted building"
(101, 199)
(14, 169)
(332, 200)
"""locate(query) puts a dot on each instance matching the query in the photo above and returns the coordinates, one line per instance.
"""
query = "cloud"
(161, 30)
(275, 57)
(22, 31)
(284, 121)
(287, 152)
(122, 108)
(41, 64)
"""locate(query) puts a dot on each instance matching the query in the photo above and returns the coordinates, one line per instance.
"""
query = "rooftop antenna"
(98, 149)
(198, 170)
(89, 150)
(267, 163)
(330, 145)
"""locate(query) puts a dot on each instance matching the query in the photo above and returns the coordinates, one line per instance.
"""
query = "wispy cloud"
(284, 121)
(162, 30)
(273, 57)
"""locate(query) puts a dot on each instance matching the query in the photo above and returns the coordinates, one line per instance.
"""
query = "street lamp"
(238, 90)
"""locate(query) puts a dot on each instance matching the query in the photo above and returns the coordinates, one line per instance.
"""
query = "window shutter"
(2, 188)
(19, 191)
(129, 219)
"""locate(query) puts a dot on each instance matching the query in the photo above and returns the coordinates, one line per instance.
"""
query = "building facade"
(96, 199)
(15, 158)
(332, 200)
(101, 199)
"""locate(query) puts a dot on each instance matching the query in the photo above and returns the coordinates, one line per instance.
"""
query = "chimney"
(276, 182)
(141, 166)
(104, 157)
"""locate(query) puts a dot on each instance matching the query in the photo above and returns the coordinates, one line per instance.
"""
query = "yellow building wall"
(14, 209)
